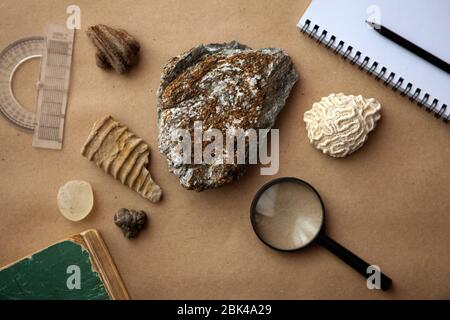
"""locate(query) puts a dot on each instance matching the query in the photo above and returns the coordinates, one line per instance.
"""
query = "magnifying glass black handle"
(353, 260)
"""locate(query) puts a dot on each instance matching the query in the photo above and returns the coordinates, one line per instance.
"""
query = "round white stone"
(75, 200)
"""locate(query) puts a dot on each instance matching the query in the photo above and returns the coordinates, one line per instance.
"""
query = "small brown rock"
(130, 221)
(116, 48)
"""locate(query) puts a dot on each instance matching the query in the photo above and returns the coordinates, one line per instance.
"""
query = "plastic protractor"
(10, 59)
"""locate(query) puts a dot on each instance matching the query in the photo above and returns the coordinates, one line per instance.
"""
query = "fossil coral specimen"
(339, 124)
(225, 86)
(119, 152)
(116, 48)
(130, 221)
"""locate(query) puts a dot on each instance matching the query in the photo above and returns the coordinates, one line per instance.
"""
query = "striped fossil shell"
(123, 155)
(339, 124)
(116, 48)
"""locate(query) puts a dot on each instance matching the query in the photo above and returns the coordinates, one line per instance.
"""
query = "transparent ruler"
(53, 88)
(55, 51)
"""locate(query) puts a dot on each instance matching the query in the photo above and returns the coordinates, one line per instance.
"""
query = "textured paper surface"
(389, 202)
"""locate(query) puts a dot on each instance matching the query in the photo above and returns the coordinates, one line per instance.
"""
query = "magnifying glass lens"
(287, 215)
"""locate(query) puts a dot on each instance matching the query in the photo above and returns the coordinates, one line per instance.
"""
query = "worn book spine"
(104, 264)
(47, 274)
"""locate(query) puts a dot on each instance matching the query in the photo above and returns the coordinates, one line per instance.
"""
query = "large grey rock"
(225, 86)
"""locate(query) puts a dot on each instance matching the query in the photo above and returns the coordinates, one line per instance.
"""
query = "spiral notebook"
(340, 26)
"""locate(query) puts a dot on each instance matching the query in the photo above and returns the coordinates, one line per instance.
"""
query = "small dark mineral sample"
(116, 48)
(130, 221)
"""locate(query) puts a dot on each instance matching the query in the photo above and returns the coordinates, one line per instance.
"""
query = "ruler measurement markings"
(54, 114)
(50, 107)
(59, 46)
(49, 121)
(53, 95)
(57, 60)
(57, 72)
(56, 53)
(54, 89)
(51, 134)
(49, 126)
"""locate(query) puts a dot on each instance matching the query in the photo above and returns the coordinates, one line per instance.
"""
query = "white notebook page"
(424, 22)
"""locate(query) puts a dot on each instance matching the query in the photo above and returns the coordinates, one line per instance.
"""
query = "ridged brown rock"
(116, 48)
(123, 155)
(224, 86)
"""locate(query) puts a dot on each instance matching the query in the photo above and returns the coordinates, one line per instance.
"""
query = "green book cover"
(63, 271)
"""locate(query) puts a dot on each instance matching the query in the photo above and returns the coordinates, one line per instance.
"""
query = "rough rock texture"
(339, 125)
(130, 221)
(123, 155)
(225, 86)
(116, 48)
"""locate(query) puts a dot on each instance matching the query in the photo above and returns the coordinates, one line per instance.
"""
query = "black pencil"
(410, 46)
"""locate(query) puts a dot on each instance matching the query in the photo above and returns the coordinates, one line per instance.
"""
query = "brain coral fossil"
(116, 48)
(340, 124)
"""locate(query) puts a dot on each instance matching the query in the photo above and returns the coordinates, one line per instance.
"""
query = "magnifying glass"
(288, 214)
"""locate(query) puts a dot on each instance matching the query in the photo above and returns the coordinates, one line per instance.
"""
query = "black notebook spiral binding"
(366, 64)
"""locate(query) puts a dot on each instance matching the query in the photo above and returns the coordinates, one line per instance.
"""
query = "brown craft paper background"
(389, 202)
